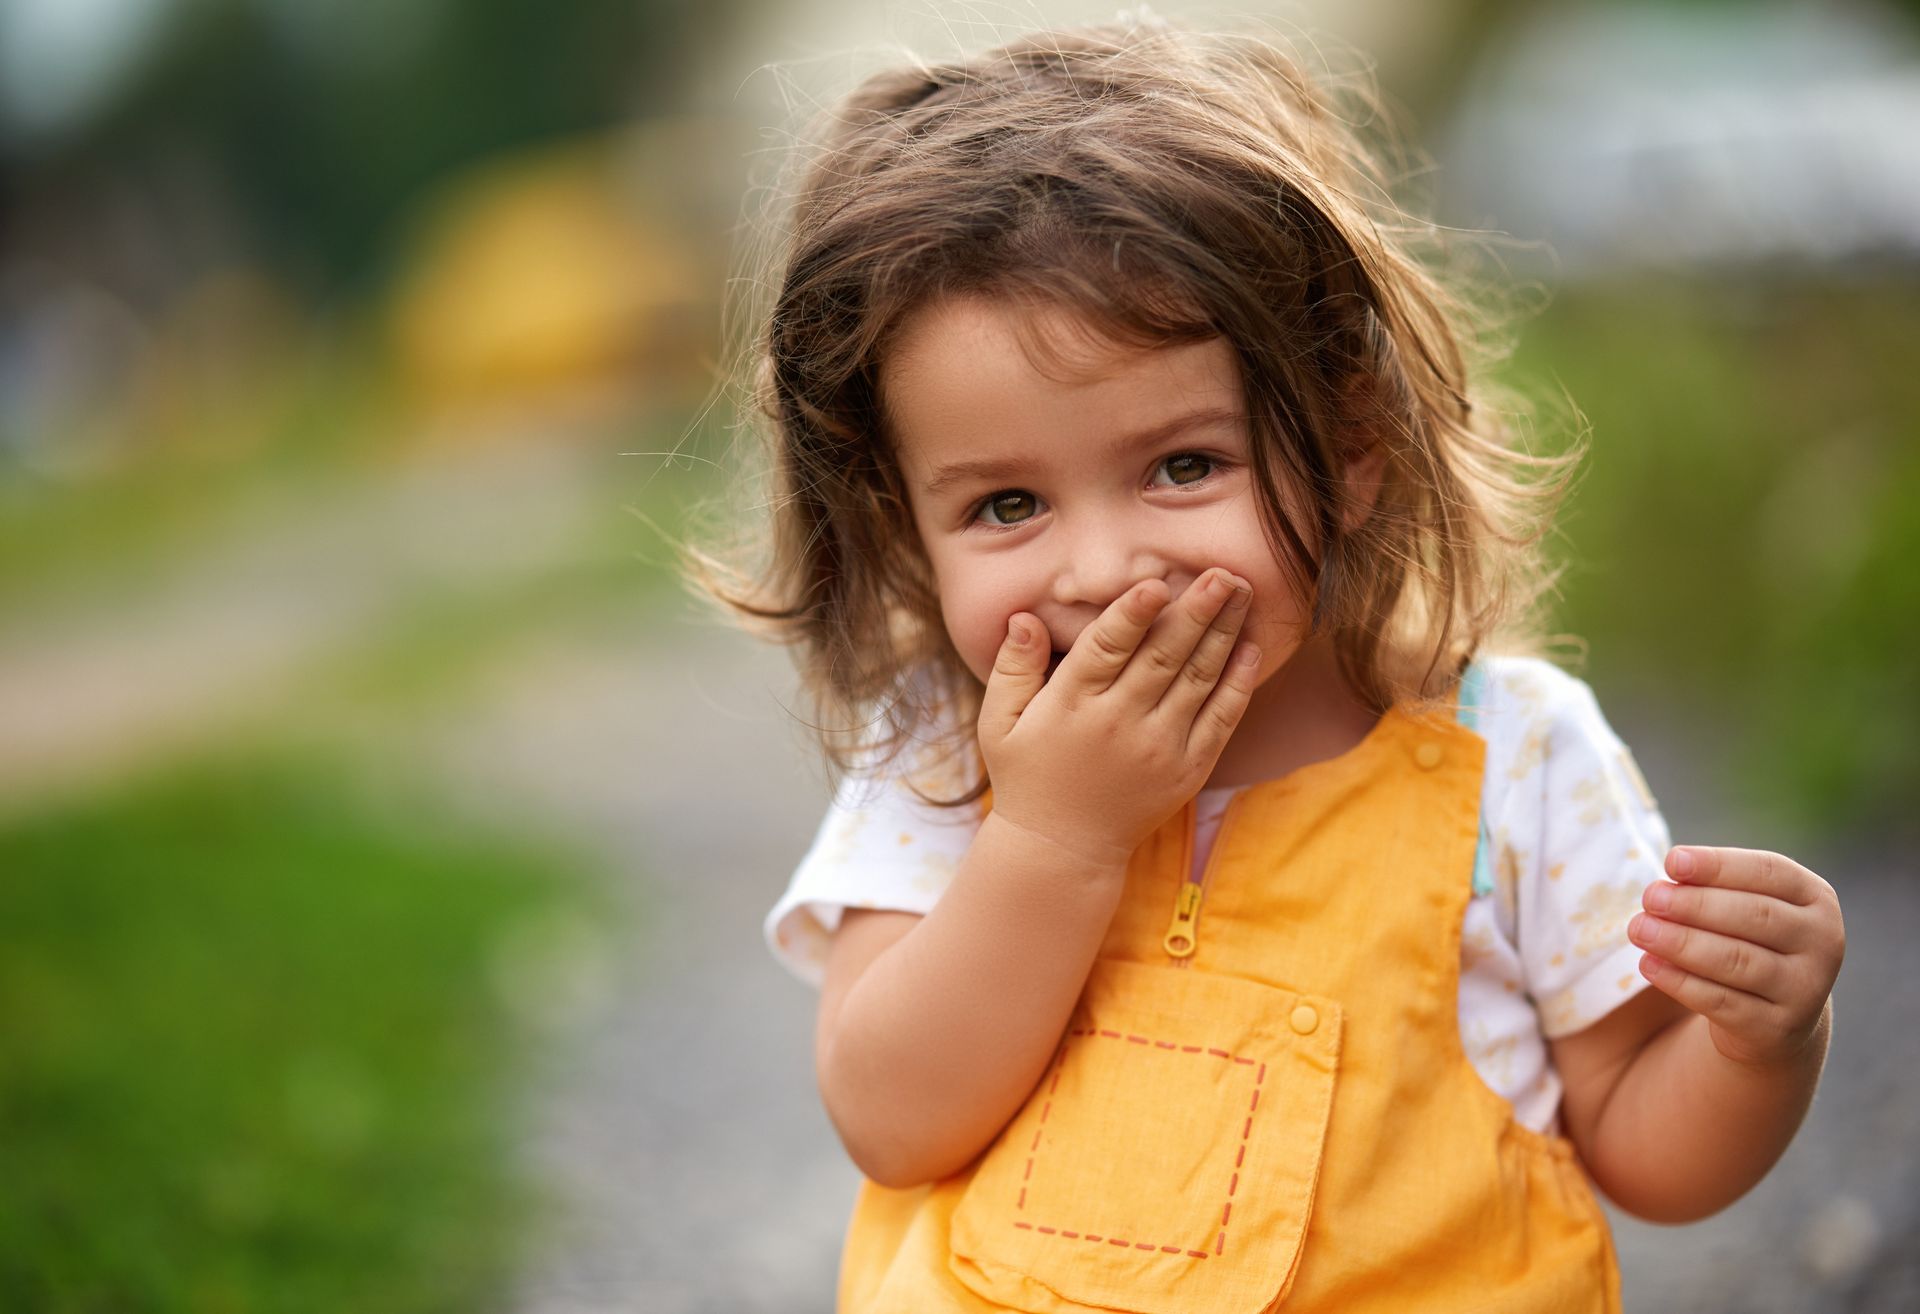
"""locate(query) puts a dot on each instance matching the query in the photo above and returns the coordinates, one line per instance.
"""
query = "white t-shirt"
(1571, 837)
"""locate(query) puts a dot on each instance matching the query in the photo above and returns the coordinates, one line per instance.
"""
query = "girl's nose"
(1102, 562)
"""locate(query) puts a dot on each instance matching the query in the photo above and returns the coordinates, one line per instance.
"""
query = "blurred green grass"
(1741, 544)
(259, 1056)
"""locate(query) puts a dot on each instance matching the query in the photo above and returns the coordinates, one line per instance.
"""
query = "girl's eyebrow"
(957, 472)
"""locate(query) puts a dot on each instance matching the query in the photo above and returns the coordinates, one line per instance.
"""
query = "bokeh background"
(384, 833)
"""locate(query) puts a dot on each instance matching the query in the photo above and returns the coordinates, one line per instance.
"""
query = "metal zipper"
(1182, 939)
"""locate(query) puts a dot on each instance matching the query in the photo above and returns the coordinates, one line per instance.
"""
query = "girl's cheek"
(977, 636)
(1278, 630)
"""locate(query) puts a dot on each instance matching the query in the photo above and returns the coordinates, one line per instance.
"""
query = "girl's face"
(1054, 495)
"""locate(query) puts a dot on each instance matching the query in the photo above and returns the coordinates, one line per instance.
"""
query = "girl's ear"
(1361, 484)
(1364, 452)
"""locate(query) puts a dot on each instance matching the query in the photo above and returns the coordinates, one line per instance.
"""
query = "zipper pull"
(1183, 935)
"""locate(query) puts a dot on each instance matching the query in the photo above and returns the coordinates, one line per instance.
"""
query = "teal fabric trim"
(1471, 684)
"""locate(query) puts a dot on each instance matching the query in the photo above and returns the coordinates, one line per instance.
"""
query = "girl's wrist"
(1086, 860)
(1794, 1056)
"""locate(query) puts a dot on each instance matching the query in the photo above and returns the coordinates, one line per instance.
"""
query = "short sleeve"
(1578, 839)
(879, 846)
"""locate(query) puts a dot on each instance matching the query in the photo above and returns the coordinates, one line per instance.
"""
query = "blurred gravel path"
(698, 1170)
(128, 665)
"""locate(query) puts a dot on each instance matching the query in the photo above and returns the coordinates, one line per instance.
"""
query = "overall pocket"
(1166, 1161)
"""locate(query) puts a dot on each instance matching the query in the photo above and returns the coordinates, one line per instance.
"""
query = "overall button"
(1304, 1019)
(1427, 755)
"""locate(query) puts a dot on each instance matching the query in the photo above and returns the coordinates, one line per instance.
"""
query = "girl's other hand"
(1130, 725)
(1751, 941)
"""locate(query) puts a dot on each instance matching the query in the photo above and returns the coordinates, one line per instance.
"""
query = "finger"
(1019, 672)
(1206, 656)
(1721, 959)
(1214, 724)
(1760, 918)
(1733, 1009)
(1171, 640)
(1104, 647)
(1745, 869)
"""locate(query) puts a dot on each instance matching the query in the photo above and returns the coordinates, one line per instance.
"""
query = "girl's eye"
(1012, 506)
(1187, 468)
(1007, 508)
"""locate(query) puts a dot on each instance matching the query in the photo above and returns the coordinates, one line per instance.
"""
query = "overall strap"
(1472, 683)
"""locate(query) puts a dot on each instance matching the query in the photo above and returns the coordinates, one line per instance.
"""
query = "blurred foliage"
(258, 1052)
(1745, 533)
(322, 120)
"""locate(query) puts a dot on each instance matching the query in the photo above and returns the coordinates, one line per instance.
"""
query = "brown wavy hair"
(1169, 186)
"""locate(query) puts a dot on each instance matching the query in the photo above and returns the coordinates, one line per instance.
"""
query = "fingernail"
(1250, 656)
(1659, 897)
(1021, 634)
(1681, 863)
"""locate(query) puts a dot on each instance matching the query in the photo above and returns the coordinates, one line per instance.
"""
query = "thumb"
(1019, 672)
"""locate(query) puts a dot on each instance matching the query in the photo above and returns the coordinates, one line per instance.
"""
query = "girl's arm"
(1681, 1100)
(934, 1029)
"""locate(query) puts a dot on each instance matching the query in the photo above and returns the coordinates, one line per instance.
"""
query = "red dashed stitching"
(1239, 1159)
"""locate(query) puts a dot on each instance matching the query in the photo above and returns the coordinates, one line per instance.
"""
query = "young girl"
(1209, 919)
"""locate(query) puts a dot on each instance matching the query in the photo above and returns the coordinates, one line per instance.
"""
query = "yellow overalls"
(1261, 1098)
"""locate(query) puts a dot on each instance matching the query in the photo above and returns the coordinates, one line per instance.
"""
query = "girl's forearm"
(1687, 1131)
(947, 1031)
